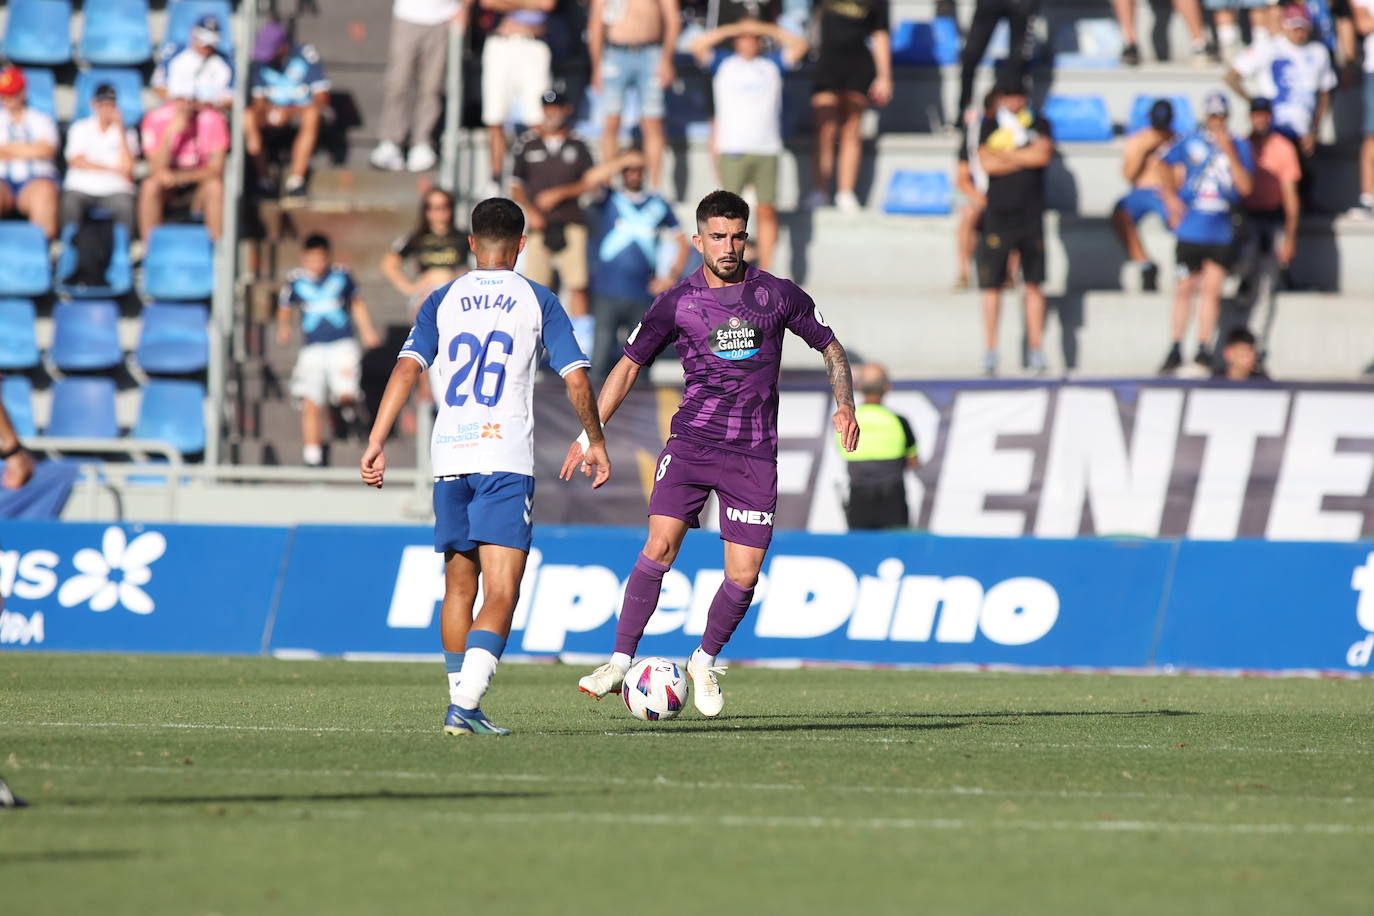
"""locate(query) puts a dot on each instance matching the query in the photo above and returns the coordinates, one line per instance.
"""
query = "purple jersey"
(730, 343)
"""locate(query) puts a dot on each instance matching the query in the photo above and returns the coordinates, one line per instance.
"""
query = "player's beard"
(731, 272)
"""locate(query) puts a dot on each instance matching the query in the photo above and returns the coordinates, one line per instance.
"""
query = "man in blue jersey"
(289, 88)
(727, 322)
(1209, 172)
(484, 334)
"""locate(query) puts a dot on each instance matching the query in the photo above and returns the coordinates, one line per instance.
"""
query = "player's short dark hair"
(722, 204)
(316, 241)
(1240, 336)
(498, 219)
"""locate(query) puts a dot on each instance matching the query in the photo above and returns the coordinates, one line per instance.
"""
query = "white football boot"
(705, 691)
(604, 680)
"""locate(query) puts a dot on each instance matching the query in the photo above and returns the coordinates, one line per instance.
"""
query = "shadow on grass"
(267, 798)
(39, 857)
(1009, 714)
(741, 724)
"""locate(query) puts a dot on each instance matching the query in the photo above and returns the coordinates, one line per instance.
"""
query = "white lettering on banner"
(807, 597)
(1359, 654)
(958, 599)
(1312, 468)
(1362, 581)
(29, 575)
(877, 597)
(419, 589)
(1088, 462)
(1019, 611)
(1232, 422)
(975, 468)
(15, 628)
(569, 599)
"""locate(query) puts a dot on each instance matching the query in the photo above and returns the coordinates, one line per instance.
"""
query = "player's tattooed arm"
(842, 383)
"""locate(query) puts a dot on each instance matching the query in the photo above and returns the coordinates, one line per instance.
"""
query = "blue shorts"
(17, 186)
(623, 66)
(1142, 201)
(484, 509)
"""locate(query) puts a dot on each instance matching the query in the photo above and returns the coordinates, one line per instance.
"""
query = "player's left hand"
(847, 427)
(373, 466)
(18, 470)
(571, 462)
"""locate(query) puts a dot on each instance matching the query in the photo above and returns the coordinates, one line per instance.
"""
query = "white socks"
(621, 661)
(699, 657)
(454, 678)
(478, 667)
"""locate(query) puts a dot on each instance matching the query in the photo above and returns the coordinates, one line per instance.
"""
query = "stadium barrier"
(864, 598)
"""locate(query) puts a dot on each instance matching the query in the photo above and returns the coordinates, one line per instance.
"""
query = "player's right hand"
(373, 466)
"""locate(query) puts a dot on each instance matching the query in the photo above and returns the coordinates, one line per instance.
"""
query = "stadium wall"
(875, 599)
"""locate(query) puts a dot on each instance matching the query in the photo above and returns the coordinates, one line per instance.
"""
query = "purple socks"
(727, 610)
(641, 597)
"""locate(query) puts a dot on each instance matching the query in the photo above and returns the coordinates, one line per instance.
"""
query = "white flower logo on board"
(115, 573)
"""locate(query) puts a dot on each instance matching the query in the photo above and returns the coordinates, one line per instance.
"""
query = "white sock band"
(478, 667)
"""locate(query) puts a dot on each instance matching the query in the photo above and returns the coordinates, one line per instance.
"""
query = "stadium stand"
(179, 264)
(41, 85)
(86, 336)
(38, 32)
(119, 275)
(115, 33)
(173, 410)
(83, 407)
(1079, 118)
(173, 340)
(27, 271)
(17, 392)
(18, 342)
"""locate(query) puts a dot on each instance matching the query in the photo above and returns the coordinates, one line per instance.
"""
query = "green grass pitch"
(196, 786)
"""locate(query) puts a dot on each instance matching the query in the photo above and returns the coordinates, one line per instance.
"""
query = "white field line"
(665, 783)
(745, 734)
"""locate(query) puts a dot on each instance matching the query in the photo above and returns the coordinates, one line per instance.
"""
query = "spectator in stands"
(986, 15)
(289, 89)
(436, 246)
(1292, 71)
(185, 145)
(972, 182)
(101, 152)
(28, 174)
(199, 64)
(551, 158)
(877, 468)
(1015, 146)
(1142, 164)
(854, 67)
(1240, 359)
(747, 86)
(515, 73)
(632, 43)
(1272, 208)
(327, 368)
(1204, 51)
(1211, 172)
(415, 65)
(1227, 28)
(631, 228)
(1364, 24)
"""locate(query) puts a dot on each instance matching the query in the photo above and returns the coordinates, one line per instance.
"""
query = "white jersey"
(1290, 76)
(483, 334)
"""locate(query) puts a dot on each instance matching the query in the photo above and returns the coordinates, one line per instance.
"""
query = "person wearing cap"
(416, 60)
(1292, 71)
(289, 88)
(1015, 146)
(515, 71)
(101, 152)
(878, 466)
(1272, 209)
(747, 87)
(1210, 171)
(1363, 11)
(1142, 165)
(28, 173)
(186, 145)
(199, 63)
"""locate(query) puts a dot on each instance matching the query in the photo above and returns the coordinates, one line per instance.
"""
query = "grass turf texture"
(172, 785)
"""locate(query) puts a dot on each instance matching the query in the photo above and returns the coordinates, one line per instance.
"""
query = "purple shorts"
(747, 489)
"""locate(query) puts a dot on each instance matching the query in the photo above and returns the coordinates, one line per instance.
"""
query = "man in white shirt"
(199, 64)
(1292, 71)
(28, 146)
(101, 152)
(415, 63)
(747, 87)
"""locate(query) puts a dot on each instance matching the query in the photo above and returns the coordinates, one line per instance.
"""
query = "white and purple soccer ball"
(654, 689)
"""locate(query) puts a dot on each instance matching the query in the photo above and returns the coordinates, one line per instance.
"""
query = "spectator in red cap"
(28, 175)
(1291, 71)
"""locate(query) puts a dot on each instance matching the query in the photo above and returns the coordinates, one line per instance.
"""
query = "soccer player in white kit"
(483, 333)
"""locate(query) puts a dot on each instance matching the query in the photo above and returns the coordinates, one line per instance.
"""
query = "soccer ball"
(654, 689)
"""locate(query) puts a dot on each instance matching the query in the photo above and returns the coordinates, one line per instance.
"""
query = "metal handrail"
(92, 470)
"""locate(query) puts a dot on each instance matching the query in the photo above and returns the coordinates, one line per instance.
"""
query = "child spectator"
(28, 174)
(1240, 359)
(1142, 164)
(199, 64)
(415, 64)
(327, 368)
(185, 145)
(289, 88)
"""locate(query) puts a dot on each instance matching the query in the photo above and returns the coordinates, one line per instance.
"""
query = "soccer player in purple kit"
(727, 322)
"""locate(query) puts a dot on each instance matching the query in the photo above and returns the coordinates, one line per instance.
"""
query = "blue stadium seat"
(1079, 118)
(173, 411)
(39, 32)
(182, 14)
(86, 336)
(179, 264)
(18, 345)
(1140, 113)
(16, 391)
(119, 275)
(40, 87)
(918, 194)
(128, 87)
(83, 407)
(27, 271)
(173, 340)
(115, 33)
(926, 44)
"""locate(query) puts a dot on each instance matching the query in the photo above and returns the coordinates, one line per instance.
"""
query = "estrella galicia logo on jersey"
(735, 339)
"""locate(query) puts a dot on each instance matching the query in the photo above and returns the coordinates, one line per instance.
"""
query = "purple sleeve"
(805, 320)
(655, 330)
